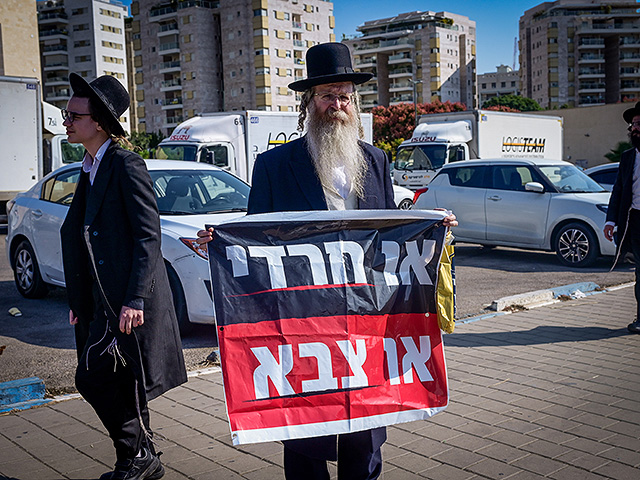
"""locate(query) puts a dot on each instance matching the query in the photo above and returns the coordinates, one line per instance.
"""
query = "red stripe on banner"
(295, 371)
(304, 287)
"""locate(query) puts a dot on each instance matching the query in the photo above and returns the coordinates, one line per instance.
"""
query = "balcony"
(299, 44)
(400, 86)
(632, 71)
(52, 17)
(400, 72)
(588, 43)
(53, 49)
(166, 67)
(297, 25)
(408, 97)
(590, 57)
(368, 89)
(173, 121)
(163, 13)
(366, 62)
(57, 80)
(591, 100)
(590, 72)
(167, 48)
(387, 45)
(400, 58)
(630, 57)
(171, 103)
(604, 27)
(591, 87)
(62, 94)
(56, 66)
(298, 61)
(168, 29)
(630, 85)
(55, 32)
(169, 85)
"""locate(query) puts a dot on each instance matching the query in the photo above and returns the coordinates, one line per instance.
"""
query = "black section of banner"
(252, 297)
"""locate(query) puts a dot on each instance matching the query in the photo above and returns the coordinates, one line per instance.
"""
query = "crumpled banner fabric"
(327, 321)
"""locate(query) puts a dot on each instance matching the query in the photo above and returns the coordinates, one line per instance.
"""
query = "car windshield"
(569, 179)
(194, 192)
(421, 157)
(176, 152)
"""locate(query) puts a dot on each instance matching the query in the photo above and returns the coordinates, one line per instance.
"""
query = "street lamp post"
(415, 99)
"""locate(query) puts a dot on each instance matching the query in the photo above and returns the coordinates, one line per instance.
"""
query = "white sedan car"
(403, 197)
(535, 204)
(189, 195)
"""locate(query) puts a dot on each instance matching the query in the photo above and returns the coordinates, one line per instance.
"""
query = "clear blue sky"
(496, 21)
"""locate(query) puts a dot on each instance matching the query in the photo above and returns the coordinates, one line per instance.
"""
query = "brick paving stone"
(516, 425)
(623, 455)
(219, 474)
(400, 438)
(244, 463)
(538, 464)
(617, 471)
(195, 465)
(492, 468)
(426, 447)
(502, 453)
(265, 473)
(458, 458)
(572, 473)
(447, 472)
(582, 460)
(469, 442)
(478, 429)
(551, 435)
(623, 428)
(624, 441)
(513, 439)
(593, 433)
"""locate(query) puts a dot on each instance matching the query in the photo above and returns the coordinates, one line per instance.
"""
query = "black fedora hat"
(111, 95)
(329, 63)
(631, 112)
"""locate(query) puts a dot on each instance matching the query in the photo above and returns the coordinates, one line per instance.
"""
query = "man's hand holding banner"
(327, 321)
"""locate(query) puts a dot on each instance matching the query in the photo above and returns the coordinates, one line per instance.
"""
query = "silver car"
(534, 204)
(189, 195)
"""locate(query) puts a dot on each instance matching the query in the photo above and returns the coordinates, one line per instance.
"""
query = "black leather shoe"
(634, 327)
(145, 467)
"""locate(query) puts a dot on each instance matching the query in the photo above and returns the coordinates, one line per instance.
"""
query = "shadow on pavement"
(535, 336)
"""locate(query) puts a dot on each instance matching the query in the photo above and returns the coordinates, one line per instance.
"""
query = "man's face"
(634, 131)
(333, 97)
(83, 128)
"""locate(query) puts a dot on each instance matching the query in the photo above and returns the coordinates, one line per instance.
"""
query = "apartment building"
(580, 52)
(421, 56)
(197, 56)
(504, 81)
(81, 36)
(19, 49)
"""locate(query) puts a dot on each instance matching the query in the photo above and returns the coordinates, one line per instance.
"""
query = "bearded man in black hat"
(127, 338)
(329, 168)
(623, 214)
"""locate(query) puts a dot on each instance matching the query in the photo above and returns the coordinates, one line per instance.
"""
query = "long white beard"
(333, 144)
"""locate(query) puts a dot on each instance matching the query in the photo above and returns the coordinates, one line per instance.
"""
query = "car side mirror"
(534, 187)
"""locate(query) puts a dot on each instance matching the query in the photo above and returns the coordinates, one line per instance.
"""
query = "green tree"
(516, 102)
(145, 144)
(615, 153)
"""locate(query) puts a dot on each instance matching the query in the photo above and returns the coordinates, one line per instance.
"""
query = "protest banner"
(327, 321)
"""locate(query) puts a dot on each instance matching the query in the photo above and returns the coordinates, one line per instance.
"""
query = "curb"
(540, 298)
(22, 394)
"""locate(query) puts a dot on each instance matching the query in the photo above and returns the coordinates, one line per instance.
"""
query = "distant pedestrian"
(127, 336)
(623, 213)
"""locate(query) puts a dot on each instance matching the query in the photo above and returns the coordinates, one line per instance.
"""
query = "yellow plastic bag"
(446, 287)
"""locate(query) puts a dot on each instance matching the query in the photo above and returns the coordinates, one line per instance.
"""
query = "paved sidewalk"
(546, 393)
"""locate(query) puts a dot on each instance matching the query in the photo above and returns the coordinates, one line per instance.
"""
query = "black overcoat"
(620, 201)
(112, 234)
(284, 179)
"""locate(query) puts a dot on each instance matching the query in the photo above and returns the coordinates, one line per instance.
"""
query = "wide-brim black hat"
(631, 112)
(110, 93)
(329, 63)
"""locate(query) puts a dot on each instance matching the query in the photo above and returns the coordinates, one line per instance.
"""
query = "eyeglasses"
(72, 116)
(634, 125)
(343, 98)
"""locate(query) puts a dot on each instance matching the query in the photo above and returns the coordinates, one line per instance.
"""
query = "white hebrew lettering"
(356, 360)
(391, 252)
(417, 262)
(337, 251)
(325, 380)
(316, 261)
(269, 368)
(391, 352)
(273, 256)
(238, 258)
(417, 359)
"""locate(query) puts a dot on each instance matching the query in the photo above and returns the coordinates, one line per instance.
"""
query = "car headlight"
(200, 250)
(603, 207)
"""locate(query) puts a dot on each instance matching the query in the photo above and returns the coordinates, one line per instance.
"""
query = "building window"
(262, 51)
(109, 13)
(81, 27)
(260, 12)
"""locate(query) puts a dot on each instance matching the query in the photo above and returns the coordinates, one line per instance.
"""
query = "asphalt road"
(40, 342)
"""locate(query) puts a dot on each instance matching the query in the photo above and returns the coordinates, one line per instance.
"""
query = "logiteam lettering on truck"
(523, 145)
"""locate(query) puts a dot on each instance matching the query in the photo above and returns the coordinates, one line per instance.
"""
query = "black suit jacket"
(621, 196)
(111, 238)
(284, 179)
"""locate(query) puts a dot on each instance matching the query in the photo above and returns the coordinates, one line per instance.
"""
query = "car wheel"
(179, 302)
(405, 204)
(26, 272)
(576, 245)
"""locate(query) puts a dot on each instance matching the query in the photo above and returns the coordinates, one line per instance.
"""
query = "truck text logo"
(523, 144)
(280, 139)
(181, 134)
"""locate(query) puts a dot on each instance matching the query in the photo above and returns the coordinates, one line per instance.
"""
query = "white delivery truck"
(32, 138)
(233, 140)
(448, 137)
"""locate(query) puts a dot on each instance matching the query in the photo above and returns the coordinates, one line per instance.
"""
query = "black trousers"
(634, 242)
(356, 460)
(106, 378)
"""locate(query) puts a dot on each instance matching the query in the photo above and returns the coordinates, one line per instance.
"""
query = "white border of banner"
(331, 428)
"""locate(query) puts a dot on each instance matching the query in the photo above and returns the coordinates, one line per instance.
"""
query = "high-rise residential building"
(81, 36)
(580, 52)
(504, 81)
(19, 49)
(421, 56)
(197, 56)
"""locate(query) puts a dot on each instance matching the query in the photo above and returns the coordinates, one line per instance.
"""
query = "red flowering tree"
(393, 125)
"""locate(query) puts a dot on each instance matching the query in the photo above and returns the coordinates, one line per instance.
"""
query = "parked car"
(189, 195)
(403, 197)
(534, 204)
(605, 174)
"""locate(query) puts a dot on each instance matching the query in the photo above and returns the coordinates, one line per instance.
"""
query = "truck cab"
(431, 146)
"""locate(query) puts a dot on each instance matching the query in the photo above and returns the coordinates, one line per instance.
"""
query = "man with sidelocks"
(329, 168)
